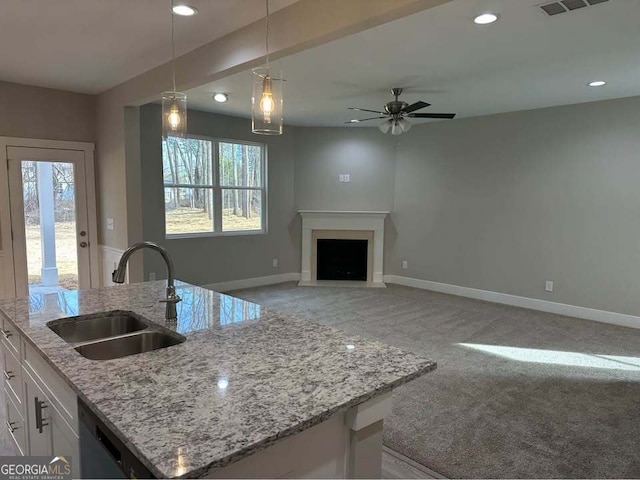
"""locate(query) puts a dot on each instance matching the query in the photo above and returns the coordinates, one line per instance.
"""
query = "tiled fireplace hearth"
(320, 224)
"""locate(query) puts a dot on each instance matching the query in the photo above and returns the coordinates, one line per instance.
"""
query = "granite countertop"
(245, 377)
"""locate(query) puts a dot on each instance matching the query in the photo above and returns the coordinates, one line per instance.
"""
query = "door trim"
(6, 246)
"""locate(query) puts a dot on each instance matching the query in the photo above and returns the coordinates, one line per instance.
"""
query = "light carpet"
(517, 393)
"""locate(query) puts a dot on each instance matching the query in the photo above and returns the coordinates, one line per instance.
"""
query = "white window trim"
(217, 192)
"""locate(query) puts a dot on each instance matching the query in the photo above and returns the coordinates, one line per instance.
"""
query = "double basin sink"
(116, 334)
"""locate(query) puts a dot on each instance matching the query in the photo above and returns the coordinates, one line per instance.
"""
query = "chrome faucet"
(118, 275)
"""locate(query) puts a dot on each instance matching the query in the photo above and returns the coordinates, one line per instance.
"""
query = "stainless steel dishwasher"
(102, 454)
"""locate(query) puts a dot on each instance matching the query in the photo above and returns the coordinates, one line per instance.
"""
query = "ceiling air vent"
(574, 4)
(563, 6)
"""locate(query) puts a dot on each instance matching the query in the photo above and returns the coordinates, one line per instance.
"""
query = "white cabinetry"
(41, 409)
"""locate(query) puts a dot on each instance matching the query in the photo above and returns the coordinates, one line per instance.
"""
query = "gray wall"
(45, 113)
(217, 259)
(324, 153)
(505, 202)
(500, 203)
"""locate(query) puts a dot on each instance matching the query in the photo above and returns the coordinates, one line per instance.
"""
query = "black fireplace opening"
(339, 259)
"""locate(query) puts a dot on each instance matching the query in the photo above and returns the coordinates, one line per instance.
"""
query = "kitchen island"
(249, 392)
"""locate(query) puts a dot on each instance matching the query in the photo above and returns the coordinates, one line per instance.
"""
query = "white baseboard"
(253, 282)
(603, 316)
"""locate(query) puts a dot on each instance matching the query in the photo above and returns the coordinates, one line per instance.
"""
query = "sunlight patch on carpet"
(555, 357)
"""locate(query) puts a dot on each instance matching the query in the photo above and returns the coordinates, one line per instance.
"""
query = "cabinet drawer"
(16, 426)
(59, 393)
(12, 373)
(10, 334)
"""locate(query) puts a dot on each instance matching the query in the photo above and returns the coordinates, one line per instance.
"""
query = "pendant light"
(174, 104)
(266, 98)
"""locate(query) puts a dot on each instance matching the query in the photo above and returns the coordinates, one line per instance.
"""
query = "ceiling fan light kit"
(395, 114)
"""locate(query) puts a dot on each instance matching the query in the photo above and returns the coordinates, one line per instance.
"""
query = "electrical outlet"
(347, 178)
(405, 264)
(152, 276)
(274, 263)
(548, 286)
(341, 178)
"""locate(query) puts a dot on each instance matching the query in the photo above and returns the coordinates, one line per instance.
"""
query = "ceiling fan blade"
(432, 115)
(365, 110)
(363, 120)
(415, 106)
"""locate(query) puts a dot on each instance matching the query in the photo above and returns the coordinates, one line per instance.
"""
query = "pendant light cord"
(173, 49)
(266, 37)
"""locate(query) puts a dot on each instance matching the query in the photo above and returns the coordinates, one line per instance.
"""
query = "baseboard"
(253, 282)
(603, 316)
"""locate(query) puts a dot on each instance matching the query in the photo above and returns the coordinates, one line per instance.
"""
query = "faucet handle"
(173, 298)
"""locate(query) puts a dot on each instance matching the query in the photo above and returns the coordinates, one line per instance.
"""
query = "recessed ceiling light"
(597, 83)
(220, 97)
(184, 10)
(485, 19)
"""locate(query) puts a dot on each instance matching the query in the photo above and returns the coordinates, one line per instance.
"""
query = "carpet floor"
(517, 393)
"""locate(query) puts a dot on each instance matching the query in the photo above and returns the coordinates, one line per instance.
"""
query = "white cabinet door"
(66, 442)
(38, 418)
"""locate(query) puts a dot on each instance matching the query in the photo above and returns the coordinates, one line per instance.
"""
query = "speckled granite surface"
(245, 377)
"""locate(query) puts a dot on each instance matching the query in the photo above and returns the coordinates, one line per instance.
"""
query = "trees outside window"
(213, 186)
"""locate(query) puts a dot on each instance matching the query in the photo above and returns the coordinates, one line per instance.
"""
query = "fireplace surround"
(358, 225)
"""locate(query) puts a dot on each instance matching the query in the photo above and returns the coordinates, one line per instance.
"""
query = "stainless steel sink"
(93, 327)
(128, 345)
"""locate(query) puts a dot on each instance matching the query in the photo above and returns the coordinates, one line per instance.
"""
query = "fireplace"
(342, 246)
(341, 259)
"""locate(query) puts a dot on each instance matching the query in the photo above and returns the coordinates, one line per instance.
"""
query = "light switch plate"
(110, 224)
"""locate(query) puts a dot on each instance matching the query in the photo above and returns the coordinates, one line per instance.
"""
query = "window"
(213, 187)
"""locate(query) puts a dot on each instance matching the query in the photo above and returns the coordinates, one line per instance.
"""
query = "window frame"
(217, 188)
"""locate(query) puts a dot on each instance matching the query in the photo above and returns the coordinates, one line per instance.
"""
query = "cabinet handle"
(6, 333)
(10, 426)
(8, 375)
(40, 405)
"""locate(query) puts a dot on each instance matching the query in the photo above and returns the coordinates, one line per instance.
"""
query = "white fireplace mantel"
(342, 220)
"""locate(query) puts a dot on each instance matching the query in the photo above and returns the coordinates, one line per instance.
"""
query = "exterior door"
(49, 220)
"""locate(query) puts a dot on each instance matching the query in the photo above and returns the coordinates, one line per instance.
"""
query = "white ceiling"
(526, 60)
(92, 45)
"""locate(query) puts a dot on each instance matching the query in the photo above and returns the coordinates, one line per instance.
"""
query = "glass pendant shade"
(405, 125)
(385, 126)
(174, 114)
(266, 102)
(396, 129)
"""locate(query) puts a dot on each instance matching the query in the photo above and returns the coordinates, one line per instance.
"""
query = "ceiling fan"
(395, 113)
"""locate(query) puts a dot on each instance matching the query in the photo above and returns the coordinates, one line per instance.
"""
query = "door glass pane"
(50, 225)
(241, 209)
